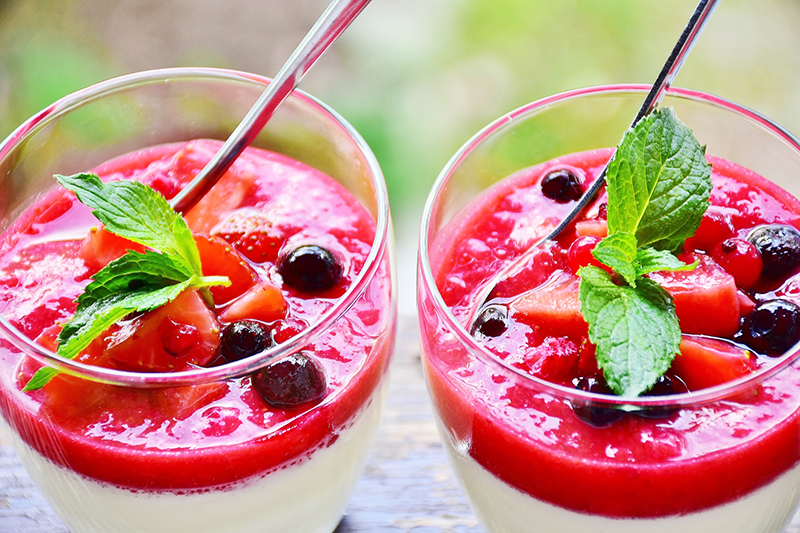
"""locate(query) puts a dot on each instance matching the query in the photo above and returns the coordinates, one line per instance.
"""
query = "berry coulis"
(601, 461)
(212, 435)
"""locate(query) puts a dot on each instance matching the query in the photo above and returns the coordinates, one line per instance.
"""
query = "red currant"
(715, 227)
(580, 253)
(740, 259)
(177, 339)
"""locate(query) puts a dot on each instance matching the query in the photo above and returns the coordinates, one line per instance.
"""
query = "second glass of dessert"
(218, 371)
(639, 372)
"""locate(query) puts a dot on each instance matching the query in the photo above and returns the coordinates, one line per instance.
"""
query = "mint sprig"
(135, 282)
(659, 185)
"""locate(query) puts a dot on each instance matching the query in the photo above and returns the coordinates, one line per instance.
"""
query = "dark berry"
(779, 247)
(740, 259)
(773, 327)
(491, 322)
(310, 268)
(244, 338)
(664, 386)
(595, 414)
(292, 381)
(562, 185)
(177, 339)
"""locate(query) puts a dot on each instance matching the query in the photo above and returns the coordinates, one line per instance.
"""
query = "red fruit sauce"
(678, 462)
(205, 436)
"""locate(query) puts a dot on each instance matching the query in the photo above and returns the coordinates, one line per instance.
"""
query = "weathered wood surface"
(407, 485)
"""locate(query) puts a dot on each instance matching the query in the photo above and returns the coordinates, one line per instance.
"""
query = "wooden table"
(407, 485)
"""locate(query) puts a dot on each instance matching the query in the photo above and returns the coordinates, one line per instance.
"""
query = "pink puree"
(638, 467)
(193, 437)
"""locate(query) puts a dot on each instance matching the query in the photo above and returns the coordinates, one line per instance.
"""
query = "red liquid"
(680, 462)
(193, 438)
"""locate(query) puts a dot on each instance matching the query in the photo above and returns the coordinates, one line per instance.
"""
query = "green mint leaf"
(635, 329)
(658, 182)
(648, 259)
(137, 212)
(40, 378)
(619, 252)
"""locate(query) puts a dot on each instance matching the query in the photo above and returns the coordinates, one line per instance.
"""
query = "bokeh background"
(416, 77)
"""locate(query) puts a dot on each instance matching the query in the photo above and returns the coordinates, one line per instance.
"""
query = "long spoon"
(331, 24)
(665, 78)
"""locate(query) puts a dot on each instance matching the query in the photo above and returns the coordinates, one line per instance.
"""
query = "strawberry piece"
(252, 234)
(220, 259)
(553, 307)
(706, 362)
(706, 298)
(555, 360)
(594, 227)
(152, 342)
(100, 247)
(227, 195)
(263, 302)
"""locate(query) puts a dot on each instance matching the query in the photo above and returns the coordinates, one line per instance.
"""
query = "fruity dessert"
(101, 270)
(635, 374)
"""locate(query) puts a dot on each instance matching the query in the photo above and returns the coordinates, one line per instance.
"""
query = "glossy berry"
(779, 246)
(594, 414)
(740, 259)
(292, 381)
(715, 227)
(177, 339)
(491, 322)
(244, 338)
(773, 327)
(562, 185)
(310, 268)
(664, 386)
(580, 253)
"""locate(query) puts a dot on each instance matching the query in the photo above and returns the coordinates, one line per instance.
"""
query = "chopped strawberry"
(154, 341)
(223, 197)
(553, 306)
(706, 362)
(100, 247)
(706, 298)
(594, 227)
(252, 234)
(220, 259)
(555, 360)
(263, 302)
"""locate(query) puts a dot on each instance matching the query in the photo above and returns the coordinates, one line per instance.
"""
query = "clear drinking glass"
(288, 472)
(537, 457)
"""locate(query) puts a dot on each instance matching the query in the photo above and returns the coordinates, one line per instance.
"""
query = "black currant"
(491, 322)
(773, 327)
(292, 381)
(779, 246)
(244, 338)
(562, 185)
(593, 414)
(310, 268)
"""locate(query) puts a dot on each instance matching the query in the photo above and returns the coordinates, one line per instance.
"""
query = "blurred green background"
(416, 77)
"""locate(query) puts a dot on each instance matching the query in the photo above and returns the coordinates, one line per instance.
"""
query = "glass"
(518, 444)
(303, 468)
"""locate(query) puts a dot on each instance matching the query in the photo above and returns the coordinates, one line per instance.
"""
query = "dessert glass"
(308, 488)
(515, 441)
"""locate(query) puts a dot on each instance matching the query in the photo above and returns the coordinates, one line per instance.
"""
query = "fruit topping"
(553, 306)
(555, 360)
(491, 322)
(310, 268)
(666, 385)
(580, 253)
(292, 381)
(219, 259)
(244, 338)
(252, 233)
(772, 327)
(594, 413)
(740, 259)
(263, 302)
(715, 227)
(100, 247)
(706, 362)
(595, 227)
(173, 337)
(779, 246)
(706, 298)
(562, 185)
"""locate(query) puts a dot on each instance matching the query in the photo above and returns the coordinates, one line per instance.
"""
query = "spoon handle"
(336, 18)
(665, 78)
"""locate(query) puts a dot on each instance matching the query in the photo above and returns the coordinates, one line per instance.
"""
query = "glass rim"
(255, 362)
(463, 336)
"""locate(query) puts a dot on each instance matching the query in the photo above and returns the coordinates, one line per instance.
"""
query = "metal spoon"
(665, 78)
(331, 24)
